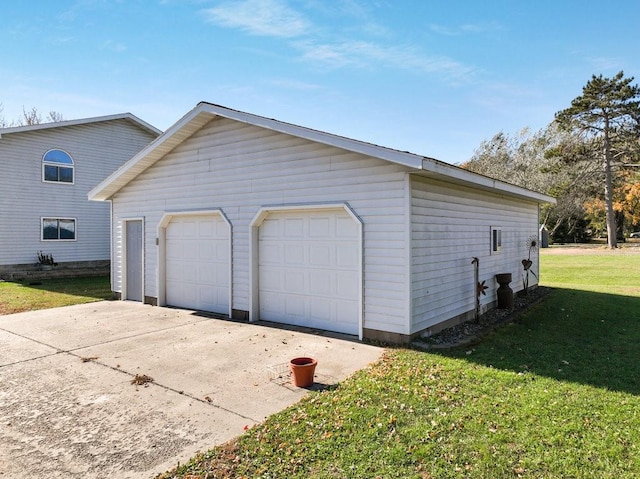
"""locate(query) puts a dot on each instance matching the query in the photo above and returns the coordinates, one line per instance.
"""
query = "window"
(58, 229)
(57, 167)
(496, 240)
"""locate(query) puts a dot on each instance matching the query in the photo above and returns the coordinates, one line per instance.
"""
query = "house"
(258, 219)
(48, 169)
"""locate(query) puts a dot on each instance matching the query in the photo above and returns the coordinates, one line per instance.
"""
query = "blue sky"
(427, 76)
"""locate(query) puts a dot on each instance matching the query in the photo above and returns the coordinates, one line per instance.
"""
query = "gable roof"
(205, 112)
(83, 121)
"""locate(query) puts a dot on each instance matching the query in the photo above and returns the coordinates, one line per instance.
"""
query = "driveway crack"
(163, 386)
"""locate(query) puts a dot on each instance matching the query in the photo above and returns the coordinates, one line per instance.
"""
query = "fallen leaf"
(141, 379)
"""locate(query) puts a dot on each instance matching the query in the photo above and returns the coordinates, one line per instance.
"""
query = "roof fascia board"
(107, 187)
(455, 174)
(83, 121)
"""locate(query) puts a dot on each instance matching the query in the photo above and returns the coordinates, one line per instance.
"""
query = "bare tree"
(31, 117)
(3, 122)
(549, 161)
(54, 116)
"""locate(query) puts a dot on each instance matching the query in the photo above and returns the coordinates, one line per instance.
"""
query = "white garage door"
(309, 269)
(197, 263)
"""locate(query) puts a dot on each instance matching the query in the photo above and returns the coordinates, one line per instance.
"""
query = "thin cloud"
(606, 63)
(295, 85)
(114, 46)
(366, 54)
(259, 17)
(275, 18)
(463, 29)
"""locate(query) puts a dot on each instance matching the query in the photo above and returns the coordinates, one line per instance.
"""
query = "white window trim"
(75, 223)
(59, 165)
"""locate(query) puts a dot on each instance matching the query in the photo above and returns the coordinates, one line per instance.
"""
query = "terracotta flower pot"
(302, 371)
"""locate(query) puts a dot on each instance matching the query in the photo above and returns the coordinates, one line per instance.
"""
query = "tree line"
(588, 158)
(29, 116)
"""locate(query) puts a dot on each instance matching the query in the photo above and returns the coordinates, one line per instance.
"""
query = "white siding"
(450, 226)
(240, 168)
(97, 150)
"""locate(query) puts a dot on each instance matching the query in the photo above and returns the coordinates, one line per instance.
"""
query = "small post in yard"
(480, 287)
(476, 280)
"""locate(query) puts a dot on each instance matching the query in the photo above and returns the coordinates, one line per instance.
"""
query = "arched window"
(57, 167)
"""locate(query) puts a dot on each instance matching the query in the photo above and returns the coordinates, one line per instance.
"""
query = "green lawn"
(603, 272)
(52, 293)
(555, 394)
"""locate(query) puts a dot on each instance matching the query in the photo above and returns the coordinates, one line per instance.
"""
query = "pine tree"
(608, 114)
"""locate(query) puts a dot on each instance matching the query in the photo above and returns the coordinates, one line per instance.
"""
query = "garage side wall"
(450, 226)
(240, 168)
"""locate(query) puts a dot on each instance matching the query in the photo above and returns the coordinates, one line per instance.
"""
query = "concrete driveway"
(68, 407)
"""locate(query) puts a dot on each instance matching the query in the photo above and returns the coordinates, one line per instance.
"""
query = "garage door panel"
(293, 254)
(348, 256)
(320, 228)
(207, 229)
(270, 229)
(187, 294)
(221, 251)
(271, 254)
(294, 305)
(345, 311)
(308, 276)
(206, 251)
(347, 284)
(207, 276)
(346, 228)
(320, 255)
(293, 228)
(294, 281)
(271, 304)
(187, 229)
(222, 277)
(197, 263)
(321, 282)
(319, 310)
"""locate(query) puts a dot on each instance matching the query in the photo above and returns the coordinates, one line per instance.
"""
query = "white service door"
(309, 274)
(198, 263)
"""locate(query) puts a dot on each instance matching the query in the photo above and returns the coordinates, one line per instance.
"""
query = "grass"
(52, 293)
(554, 394)
(606, 272)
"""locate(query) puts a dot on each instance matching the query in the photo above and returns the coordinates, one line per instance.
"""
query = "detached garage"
(258, 219)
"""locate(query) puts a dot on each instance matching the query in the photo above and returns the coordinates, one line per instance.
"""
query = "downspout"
(111, 268)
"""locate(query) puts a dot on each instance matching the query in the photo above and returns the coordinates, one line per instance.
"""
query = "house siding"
(450, 225)
(97, 150)
(240, 168)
